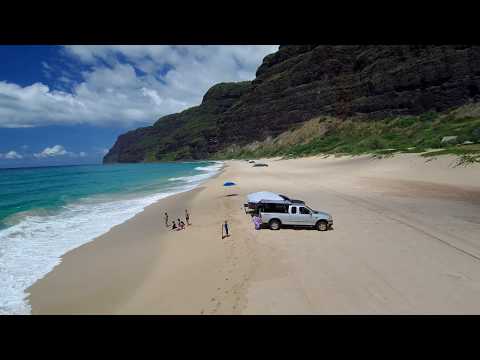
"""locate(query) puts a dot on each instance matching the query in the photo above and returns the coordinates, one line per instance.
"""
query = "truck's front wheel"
(274, 224)
(322, 225)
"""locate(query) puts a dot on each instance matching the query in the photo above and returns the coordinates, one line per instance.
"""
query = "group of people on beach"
(180, 225)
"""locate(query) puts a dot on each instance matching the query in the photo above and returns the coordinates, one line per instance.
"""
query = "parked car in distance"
(278, 213)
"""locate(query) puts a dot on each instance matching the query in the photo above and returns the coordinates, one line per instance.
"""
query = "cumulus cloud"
(57, 150)
(11, 155)
(127, 84)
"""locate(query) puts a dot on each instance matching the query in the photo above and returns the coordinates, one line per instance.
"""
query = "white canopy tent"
(263, 195)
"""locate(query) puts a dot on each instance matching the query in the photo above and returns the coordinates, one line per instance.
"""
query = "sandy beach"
(405, 240)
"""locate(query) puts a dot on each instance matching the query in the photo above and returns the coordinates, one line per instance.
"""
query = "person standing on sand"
(225, 226)
(174, 226)
(166, 219)
(187, 217)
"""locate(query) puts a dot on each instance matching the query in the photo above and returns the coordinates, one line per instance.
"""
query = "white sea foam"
(209, 171)
(215, 167)
(191, 179)
(33, 247)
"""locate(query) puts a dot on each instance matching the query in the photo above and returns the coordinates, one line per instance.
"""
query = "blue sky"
(67, 104)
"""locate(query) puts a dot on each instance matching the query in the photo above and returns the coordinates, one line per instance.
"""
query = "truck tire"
(274, 224)
(321, 225)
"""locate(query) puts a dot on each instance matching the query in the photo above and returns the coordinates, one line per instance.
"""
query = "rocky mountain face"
(298, 83)
(191, 134)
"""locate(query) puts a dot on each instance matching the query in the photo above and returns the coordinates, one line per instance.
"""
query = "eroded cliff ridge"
(298, 83)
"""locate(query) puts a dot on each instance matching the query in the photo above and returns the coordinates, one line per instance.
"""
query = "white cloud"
(46, 66)
(99, 150)
(148, 82)
(11, 155)
(65, 79)
(57, 150)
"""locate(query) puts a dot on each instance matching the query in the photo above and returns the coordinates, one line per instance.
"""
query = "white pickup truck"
(278, 213)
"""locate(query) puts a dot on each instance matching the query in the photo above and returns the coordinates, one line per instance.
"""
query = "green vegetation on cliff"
(327, 135)
(363, 98)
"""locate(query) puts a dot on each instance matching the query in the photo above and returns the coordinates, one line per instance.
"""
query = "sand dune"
(405, 241)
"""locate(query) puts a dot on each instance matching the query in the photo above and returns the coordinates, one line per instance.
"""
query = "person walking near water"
(187, 217)
(166, 219)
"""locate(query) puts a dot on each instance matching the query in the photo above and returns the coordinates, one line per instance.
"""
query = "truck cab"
(300, 214)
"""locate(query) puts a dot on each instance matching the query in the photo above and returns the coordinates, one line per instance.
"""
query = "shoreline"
(76, 212)
(61, 275)
(187, 187)
(404, 242)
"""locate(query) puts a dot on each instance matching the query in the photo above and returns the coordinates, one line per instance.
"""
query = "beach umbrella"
(228, 184)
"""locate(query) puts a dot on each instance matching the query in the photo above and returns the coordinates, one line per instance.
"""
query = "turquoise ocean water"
(45, 212)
